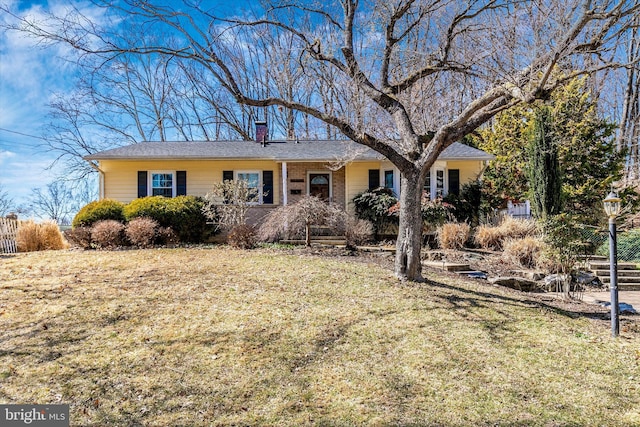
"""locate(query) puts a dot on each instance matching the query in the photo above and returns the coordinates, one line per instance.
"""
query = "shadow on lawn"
(474, 298)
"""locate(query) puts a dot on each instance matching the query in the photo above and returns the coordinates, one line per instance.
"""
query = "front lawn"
(216, 336)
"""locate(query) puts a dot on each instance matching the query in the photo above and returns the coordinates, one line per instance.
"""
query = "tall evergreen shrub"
(545, 181)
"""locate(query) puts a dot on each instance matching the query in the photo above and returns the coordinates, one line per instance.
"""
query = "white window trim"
(433, 173)
(260, 184)
(396, 179)
(324, 172)
(150, 181)
(444, 181)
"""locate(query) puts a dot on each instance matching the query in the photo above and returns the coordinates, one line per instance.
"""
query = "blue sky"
(29, 76)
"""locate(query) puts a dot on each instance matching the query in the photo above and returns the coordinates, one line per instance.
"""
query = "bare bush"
(295, 221)
(142, 231)
(80, 237)
(166, 236)
(108, 233)
(358, 231)
(242, 236)
(228, 202)
(39, 237)
(524, 252)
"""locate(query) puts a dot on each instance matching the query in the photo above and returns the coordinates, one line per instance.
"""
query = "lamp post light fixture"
(612, 205)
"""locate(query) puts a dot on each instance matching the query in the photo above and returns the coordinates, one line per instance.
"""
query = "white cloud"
(30, 72)
(4, 154)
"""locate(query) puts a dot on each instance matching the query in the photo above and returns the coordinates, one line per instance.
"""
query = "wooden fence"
(8, 234)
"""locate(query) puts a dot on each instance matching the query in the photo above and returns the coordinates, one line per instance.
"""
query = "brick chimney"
(261, 132)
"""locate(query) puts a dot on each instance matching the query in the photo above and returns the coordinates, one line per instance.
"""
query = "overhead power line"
(22, 134)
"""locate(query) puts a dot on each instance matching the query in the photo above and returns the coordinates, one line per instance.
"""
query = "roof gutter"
(100, 178)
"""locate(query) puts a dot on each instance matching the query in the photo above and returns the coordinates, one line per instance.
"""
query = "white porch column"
(284, 183)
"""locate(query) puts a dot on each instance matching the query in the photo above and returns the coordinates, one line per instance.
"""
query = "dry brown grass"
(524, 251)
(43, 236)
(453, 235)
(217, 336)
(493, 237)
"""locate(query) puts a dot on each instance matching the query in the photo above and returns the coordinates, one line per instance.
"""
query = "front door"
(319, 185)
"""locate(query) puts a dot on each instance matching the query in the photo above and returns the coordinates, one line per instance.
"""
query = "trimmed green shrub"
(99, 210)
(374, 206)
(184, 214)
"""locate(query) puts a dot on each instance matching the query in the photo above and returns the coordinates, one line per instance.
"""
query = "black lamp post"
(612, 208)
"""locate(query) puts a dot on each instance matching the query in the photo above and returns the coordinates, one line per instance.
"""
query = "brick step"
(447, 266)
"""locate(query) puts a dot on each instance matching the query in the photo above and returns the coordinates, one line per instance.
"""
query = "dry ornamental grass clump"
(524, 252)
(453, 235)
(34, 236)
(493, 237)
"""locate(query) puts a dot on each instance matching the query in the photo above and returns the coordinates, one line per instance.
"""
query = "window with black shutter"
(267, 187)
(181, 183)
(374, 178)
(454, 181)
(142, 184)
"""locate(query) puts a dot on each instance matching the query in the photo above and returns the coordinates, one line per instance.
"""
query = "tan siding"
(357, 179)
(121, 177)
(469, 170)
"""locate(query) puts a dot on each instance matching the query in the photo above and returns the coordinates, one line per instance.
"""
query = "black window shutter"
(454, 181)
(227, 175)
(374, 178)
(142, 184)
(181, 183)
(267, 187)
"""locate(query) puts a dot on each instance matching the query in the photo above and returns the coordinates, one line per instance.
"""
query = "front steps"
(628, 274)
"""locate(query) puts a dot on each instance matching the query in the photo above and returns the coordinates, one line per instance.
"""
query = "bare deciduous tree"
(406, 78)
(56, 202)
(629, 128)
(6, 202)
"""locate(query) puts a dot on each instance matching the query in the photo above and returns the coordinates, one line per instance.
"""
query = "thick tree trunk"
(408, 263)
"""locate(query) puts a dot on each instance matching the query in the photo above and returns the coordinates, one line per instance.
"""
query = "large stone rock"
(518, 283)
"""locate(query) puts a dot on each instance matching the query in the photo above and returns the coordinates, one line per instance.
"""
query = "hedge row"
(183, 214)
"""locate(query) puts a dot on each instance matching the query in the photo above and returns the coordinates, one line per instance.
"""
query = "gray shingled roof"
(321, 150)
